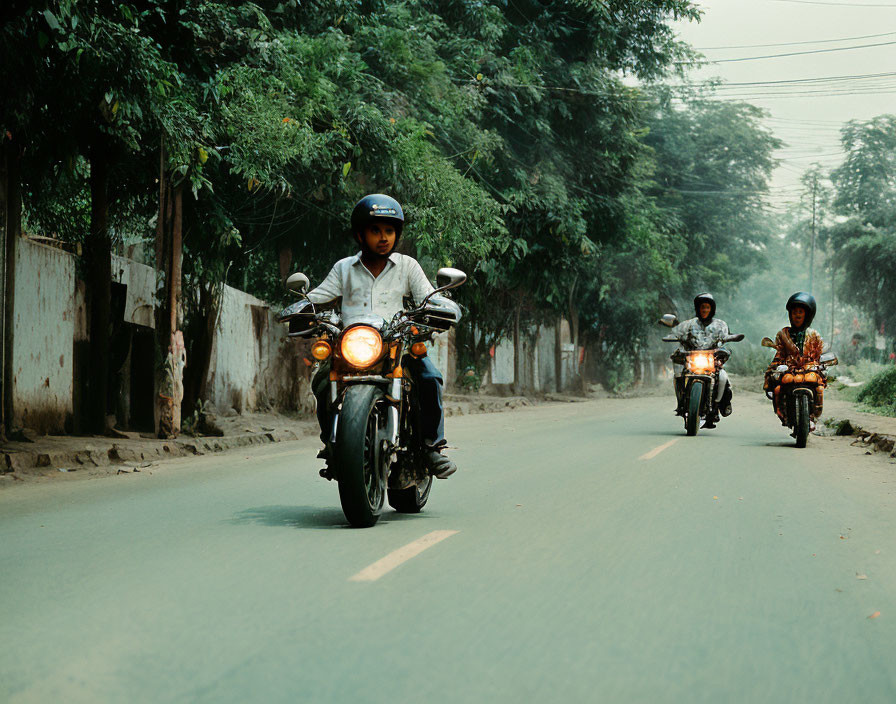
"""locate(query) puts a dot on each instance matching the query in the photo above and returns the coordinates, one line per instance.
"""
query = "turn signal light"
(320, 350)
(418, 349)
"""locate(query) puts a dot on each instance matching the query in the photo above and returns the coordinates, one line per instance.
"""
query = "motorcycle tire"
(695, 400)
(362, 480)
(801, 421)
(412, 499)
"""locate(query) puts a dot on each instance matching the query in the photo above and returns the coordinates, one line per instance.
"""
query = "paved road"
(586, 567)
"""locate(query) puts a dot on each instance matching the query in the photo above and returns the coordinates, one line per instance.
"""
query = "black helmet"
(805, 300)
(705, 298)
(377, 206)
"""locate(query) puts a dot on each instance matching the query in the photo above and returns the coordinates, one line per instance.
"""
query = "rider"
(798, 344)
(701, 333)
(375, 281)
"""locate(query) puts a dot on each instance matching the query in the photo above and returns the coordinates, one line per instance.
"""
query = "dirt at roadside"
(40, 458)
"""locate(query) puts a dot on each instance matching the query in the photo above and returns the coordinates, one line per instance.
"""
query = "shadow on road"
(308, 517)
(292, 517)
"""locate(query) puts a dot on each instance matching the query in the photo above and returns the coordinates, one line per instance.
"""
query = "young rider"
(798, 344)
(375, 282)
(702, 333)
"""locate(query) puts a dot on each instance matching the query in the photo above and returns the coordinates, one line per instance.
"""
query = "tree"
(865, 194)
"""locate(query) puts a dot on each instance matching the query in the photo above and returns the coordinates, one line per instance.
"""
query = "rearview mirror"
(297, 283)
(447, 277)
(767, 342)
(668, 320)
(829, 359)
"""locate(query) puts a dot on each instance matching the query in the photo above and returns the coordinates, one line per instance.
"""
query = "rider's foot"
(726, 409)
(440, 466)
(326, 473)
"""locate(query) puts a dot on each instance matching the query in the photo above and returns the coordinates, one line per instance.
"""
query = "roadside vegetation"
(229, 141)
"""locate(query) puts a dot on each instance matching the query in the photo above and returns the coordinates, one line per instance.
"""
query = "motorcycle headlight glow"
(701, 362)
(361, 346)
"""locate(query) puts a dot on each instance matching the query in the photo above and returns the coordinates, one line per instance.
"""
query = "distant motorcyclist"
(798, 345)
(702, 333)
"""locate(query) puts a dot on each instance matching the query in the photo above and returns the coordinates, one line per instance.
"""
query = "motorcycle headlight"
(361, 346)
(701, 362)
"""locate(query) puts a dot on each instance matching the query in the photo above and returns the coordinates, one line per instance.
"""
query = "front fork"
(709, 396)
(392, 418)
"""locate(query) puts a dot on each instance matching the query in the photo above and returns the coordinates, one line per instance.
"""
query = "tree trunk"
(11, 227)
(170, 340)
(517, 352)
(558, 354)
(202, 338)
(98, 255)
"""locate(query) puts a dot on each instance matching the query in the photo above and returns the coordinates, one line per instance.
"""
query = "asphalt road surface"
(585, 552)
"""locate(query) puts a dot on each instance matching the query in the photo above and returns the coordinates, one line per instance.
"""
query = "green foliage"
(506, 129)
(865, 194)
(880, 392)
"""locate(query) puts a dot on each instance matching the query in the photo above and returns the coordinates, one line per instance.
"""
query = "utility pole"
(812, 254)
(833, 273)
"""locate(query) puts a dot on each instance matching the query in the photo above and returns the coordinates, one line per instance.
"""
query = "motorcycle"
(697, 393)
(374, 444)
(798, 388)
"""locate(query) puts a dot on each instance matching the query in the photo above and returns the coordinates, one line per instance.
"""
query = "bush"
(748, 360)
(880, 392)
(863, 370)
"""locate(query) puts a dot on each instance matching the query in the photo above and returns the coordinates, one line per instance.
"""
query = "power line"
(790, 81)
(836, 4)
(791, 53)
(814, 41)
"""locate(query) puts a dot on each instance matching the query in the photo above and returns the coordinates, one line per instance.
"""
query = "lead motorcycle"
(697, 399)
(375, 444)
(798, 389)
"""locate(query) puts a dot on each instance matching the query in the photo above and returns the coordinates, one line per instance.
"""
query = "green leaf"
(52, 21)
(346, 167)
(42, 39)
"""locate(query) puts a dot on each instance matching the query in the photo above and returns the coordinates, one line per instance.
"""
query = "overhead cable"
(778, 56)
(835, 4)
(813, 41)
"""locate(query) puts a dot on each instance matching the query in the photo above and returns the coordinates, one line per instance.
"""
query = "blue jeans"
(428, 381)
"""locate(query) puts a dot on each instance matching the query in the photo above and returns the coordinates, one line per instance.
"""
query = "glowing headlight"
(361, 346)
(701, 362)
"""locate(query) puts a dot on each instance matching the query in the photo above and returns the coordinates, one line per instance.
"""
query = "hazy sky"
(805, 115)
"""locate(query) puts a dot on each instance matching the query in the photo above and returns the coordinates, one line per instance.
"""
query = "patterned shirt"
(363, 294)
(694, 334)
(797, 346)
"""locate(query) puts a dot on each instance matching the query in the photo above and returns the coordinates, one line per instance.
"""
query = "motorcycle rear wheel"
(801, 424)
(695, 400)
(362, 480)
(412, 499)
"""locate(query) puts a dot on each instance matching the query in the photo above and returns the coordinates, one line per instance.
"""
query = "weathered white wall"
(501, 368)
(44, 337)
(141, 282)
(254, 364)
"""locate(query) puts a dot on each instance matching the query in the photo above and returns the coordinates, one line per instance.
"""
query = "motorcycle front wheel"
(801, 424)
(362, 479)
(695, 400)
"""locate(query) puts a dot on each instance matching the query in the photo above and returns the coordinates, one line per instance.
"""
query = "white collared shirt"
(363, 294)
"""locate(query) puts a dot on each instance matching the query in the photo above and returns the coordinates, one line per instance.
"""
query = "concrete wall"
(43, 343)
(141, 294)
(538, 370)
(254, 364)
